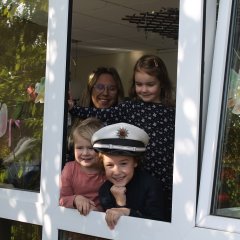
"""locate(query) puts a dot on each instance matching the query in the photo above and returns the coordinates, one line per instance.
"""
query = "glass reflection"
(19, 231)
(226, 200)
(23, 29)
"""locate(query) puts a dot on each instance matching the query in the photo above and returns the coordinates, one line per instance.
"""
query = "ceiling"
(98, 28)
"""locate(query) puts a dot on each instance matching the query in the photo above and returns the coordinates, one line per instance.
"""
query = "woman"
(104, 89)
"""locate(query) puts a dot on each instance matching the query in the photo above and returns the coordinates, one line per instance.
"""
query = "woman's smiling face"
(119, 169)
(105, 91)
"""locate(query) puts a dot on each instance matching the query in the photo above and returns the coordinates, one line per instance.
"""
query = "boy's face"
(119, 169)
(84, 153)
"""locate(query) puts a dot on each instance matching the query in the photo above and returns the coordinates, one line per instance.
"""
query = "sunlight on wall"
(190, 210)
(13, 203)
(182, 147)
(191, 9)
(185, 147)
(52, 52)
(190, 111)
(22, 216)
(52, 18)
(48, 225)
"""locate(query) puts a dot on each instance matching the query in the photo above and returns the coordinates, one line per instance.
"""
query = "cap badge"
(122, 133)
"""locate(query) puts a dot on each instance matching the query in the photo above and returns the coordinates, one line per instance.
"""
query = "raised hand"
(70, 104)
(119, 193)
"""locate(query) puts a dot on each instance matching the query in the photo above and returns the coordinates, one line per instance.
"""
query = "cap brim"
(118, 152)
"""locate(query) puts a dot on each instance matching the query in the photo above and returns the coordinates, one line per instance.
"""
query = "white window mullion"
(53, 114)
(187, 115)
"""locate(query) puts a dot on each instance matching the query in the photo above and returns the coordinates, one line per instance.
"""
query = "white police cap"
(120, 138)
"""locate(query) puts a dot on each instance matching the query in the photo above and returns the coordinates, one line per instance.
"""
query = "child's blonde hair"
(85, 129)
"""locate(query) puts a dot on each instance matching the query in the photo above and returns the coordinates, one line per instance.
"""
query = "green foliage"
(23, 29)
(231, 161)
(22, 231)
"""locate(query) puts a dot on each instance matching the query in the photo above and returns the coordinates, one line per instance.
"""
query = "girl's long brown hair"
(154, 66)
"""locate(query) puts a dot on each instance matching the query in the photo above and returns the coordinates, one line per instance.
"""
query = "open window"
(115, 35)
(219, 192)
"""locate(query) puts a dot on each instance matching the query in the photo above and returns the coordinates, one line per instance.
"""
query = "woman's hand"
(84, 205)
(119, 193)
(113, 215)
(70, 104)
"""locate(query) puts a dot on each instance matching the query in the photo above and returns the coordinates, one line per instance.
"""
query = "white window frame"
(43, 209)
(189, 68)
(204, 219)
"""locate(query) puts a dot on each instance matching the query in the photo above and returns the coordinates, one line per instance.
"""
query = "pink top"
(74, 181)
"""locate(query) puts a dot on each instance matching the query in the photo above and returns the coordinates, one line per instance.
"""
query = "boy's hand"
(84, 205)
(113, 215)
(119, 193)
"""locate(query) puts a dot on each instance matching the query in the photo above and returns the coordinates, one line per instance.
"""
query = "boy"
(128, 191)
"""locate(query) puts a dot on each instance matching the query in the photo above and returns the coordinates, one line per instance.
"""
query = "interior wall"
(81, 67)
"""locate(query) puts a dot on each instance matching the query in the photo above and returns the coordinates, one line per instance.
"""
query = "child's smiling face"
(147, 87)
(85, 154)
(119, 169)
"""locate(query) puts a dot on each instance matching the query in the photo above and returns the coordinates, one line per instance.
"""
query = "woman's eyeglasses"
(101, 87)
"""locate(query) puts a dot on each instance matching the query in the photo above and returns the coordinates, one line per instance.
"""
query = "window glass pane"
(226, 200)
(19, 231)
(23, 30)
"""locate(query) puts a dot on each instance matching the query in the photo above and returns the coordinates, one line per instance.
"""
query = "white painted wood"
(19, 195)
(53, 114)
(127, 228)
(210, 31)
(23, 211)
(203, 217)
(187, 116)
(186, 154)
